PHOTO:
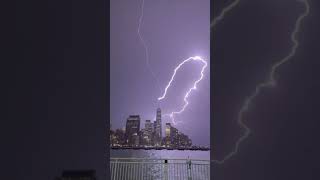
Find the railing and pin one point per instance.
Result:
(159, 169)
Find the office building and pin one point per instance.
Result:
(167, 133)
(132, 130)
(158, 129)
(148, 132)
(171, 136)
(174, 135)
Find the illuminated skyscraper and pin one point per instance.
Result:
(174, 137)
(168, 134)
(158, 130)
(148, 131)
(148, 127)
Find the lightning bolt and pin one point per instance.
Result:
(223, 13)
(145, 44)
(195, 58)
(186, 102)
(270, 82)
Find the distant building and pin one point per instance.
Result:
(158, 129)
(120, 138)
(168, 134)
(113, 138)
(153, 135)
(184, 140)
(150, 135)
(135, 139)
(142, 137)
(132, 129)
(168, 129)
(154, 127)
(159, 123)
(148, 132)
(78, 175)
(172, 136)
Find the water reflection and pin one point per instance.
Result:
(160, 154)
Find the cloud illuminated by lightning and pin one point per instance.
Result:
(195, 58)
(270, 82)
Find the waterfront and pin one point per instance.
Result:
(160, 154)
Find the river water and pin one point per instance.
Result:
(160, 154)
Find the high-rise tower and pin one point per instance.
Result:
(158, 126)
(132, 129)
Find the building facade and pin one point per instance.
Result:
(132, 130)
(171, 136)
(158, 129)
(168, 134)
(148, 132)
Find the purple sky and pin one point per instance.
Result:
(173, 30)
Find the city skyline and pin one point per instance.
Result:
(143, 122)
(134, 135)
(149, 126)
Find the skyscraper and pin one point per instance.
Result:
(153, 136)
(159, 122)
(168, 134)
(174, 137)
(168, 129)
(154, 126)
(148, 131)
(148, 127)
(132, 129)
(158, 127)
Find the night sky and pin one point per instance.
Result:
(173, 31)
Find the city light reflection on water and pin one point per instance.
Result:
(160, 154)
